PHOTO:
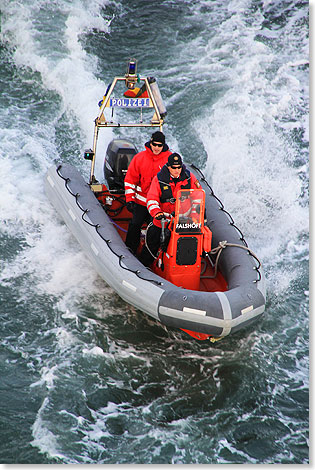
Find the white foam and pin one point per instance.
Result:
(51, 258)
(44, 439)
(95, 351)
(246, 133)
(71, 74)
(249, 162)
(47, 377)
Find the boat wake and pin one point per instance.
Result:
(100, 382)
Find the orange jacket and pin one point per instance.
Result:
(143, 167)
(154, 204)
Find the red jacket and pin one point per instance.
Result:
(154, 203)
(143, 167)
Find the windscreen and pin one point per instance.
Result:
(189, 210)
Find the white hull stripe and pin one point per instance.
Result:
(49, 179)
(72, 215)
(246, 310)
(226, 324)
(94, 249)
(129, 286)
(227, 314)
(194, 310)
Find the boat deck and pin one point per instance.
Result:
(120, 216)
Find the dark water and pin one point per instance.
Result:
(84, 377)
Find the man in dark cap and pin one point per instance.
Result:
(161, 198)
(143, 167)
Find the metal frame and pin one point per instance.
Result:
(100, 121)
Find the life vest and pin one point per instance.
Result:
(142, 169)
(162, 193)
(164, 179)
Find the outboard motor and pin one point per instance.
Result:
(119, 154)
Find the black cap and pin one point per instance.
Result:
(158, 136)
(175, 159)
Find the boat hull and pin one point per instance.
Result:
(213, 313)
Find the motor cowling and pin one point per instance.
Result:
(119, 154)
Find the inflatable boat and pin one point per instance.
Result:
(205, 280)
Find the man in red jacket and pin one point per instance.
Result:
(161, 198)
(143, 167)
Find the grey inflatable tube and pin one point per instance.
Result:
(214, 313)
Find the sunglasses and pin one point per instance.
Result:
(156, 144)
(176, 167)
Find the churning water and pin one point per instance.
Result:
(84, 377)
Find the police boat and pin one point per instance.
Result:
(205, 280)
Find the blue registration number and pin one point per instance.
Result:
(130, 102)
